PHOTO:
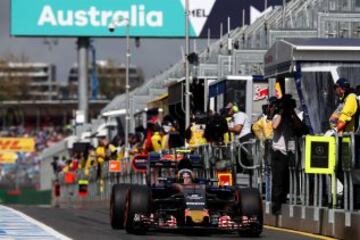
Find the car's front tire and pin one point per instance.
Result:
(138, 202)
(117, 205)
(251, 206)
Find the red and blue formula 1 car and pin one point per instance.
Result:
(187, 199)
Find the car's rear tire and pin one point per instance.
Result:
(251, 206)
(117, 205)
(138, 202)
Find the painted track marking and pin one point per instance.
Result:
(315, 236)
(15, 225)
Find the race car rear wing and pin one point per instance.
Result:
(155, 160)
(172, 160)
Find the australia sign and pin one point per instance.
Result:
(146, 18)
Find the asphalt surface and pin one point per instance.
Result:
(93, 223)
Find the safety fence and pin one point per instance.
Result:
(324, 176)
(323, 188)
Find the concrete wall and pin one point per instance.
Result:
(46, 170)
(324, 221)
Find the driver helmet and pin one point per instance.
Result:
(185, 176)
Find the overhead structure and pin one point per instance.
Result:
(311, 67)
(283, 56)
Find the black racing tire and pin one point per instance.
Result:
(250, 206)
(117, 205)
(138, 202)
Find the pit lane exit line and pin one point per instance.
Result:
(305, 234)
(15, 225)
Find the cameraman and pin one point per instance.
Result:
(284, 122)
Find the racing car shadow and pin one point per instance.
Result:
(198, 233)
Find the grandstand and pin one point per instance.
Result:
(299, 18)
(249, 43)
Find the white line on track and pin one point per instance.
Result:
(15, 225)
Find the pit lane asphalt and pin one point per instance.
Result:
(93, 224)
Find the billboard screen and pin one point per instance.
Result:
(147, 18)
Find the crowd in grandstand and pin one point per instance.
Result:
(27, 166)
(44, 136)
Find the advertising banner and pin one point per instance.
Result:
(8, 157)
(155, 18)
(114, 166)
(17, 144)
(320, 154)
